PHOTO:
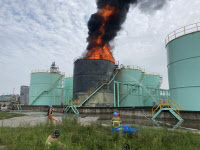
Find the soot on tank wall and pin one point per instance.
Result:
(89, 72)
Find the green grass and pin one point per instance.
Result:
(6, 115)
(95, 136)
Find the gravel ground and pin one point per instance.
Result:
(31, 118)
(34, 118)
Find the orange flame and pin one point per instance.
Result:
(102, 52)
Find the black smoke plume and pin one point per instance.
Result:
(112, 25)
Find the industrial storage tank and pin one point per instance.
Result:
(183, 52)
(68, 90)
(46, 87)
(128, 79)
(150, 84)
(89, 74)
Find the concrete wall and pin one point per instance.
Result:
(103, 98)
(41, 108)
(125, 112)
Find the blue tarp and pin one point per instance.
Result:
(125, 129)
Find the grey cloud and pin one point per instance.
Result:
(149, 6)
(61, 35)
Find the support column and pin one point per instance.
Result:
(118, 94)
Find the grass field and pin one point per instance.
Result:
(95, 136)
(6, 115)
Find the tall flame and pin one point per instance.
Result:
(102, 50)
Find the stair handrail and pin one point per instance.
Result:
(161, 105)
(175, 108)
(156, 104)
(175, 102)
(167, 102)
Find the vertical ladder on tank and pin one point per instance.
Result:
(167, 104)
(91, 93)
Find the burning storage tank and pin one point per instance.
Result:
(46, 87)
(127, 79)
(89, 75)
(98, 65)
(68, 90)
(183, 51)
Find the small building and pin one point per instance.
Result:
(24, 94)
(8, 97)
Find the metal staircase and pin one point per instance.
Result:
(167, 104)
(46, 89)
(73, 104)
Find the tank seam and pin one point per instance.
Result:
(183, 87)
(183, 60)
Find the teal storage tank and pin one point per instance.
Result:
(152, 80)
(45, 88)
(68, 90)
(150, 84)
(128, 79)
(183, 54)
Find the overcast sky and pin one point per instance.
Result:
(34, 33)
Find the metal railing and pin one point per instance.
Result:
(169, 103)
(138, 68)
(154, 73)
(182, 31)
(69, 76)
(46, 71)
(131, 67)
